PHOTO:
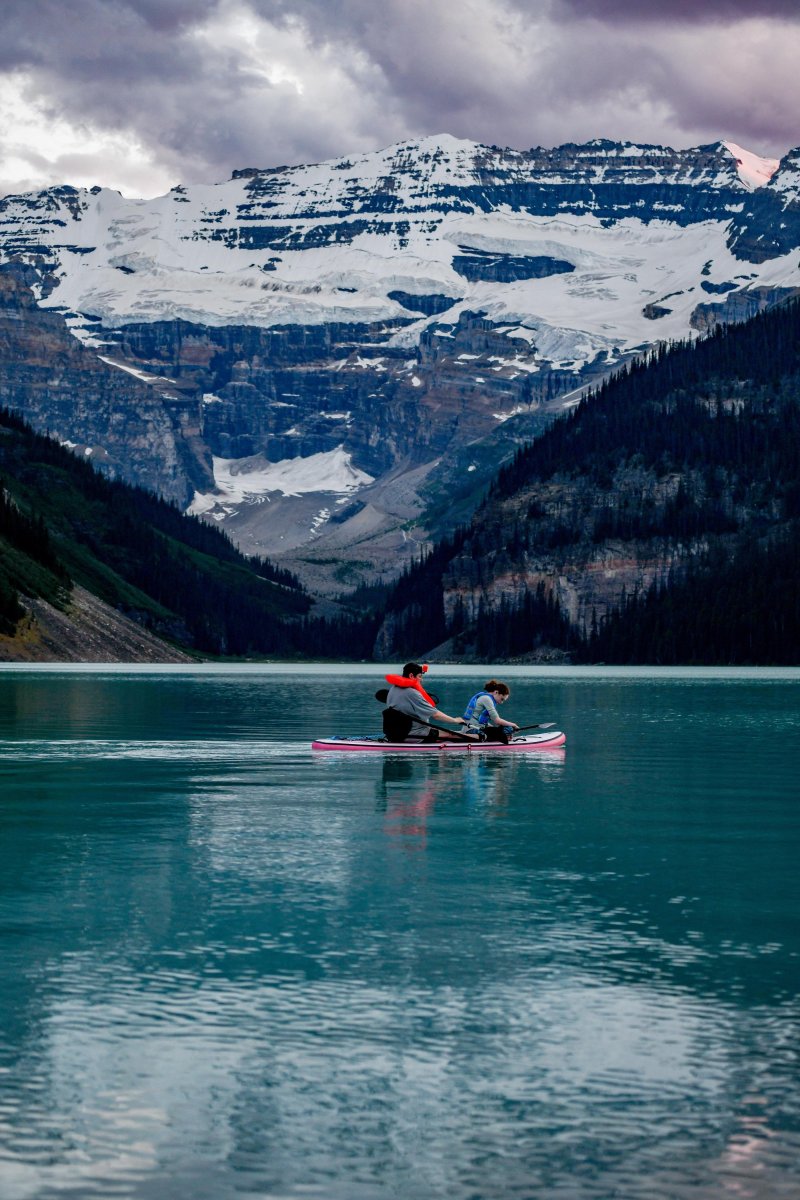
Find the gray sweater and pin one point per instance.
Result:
(408, 701)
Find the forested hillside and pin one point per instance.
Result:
(62, 524)
(745, 610)
(656, 523)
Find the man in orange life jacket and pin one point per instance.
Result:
(410, 704)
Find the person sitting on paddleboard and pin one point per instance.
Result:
(409, 704)
(481, 713)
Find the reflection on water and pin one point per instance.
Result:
(231, 966)
(409, 790)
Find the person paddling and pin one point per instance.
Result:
(409, 704)
(481, 715)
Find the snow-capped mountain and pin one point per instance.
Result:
(366, 320)
(351, 240)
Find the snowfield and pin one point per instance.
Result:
(251, 480)
(198, 254)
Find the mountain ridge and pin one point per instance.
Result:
(390, 310)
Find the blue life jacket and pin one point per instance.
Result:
(469, 711)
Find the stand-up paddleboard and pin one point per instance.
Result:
(522, 742)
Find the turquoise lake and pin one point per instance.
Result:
(231, 966)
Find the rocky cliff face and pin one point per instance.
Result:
(66, 390)
(589, 576)
(313, 352)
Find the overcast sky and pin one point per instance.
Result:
(143, 94)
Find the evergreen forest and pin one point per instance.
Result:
(691, 456)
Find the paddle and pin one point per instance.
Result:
(450, 732)
(382, 695)
(465, 737)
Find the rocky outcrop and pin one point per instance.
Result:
(477, 265)
(769, 224)
(88, 630)
(739, 306)
(587, 582)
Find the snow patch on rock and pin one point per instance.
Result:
(251, 480)
(753, 170)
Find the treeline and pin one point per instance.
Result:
(743, 610)
(27, 533)
(416, 617)
(11, 611)
(28, 562)
(516, 627)
(414, 610)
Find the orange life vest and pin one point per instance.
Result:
(402, 681)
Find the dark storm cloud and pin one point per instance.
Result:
(205, 86)
(70, 36)
(135, 66)
(688, 12)
(583, 68)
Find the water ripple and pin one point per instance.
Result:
(88, 749)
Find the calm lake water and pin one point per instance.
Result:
(233, 967)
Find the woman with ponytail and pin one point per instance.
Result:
(481, 715)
